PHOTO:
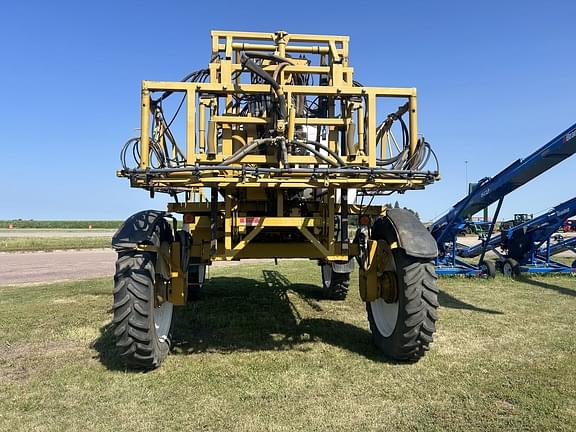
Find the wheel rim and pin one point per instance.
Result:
(201, 275)
(507, 269)
(163, 320)
(327, 275)
(385, 316)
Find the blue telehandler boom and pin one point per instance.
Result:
(490, 190)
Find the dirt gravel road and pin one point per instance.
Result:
(37, 267)
(33, 267)
(45, 267)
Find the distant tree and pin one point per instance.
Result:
(414, 212)
(396, 205)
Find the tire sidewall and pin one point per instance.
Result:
(395, 339)
(161, 347)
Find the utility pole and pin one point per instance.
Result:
(466, 168)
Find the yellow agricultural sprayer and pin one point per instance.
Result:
(278, 148)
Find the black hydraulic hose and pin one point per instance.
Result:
(249, 64)
(388, 161)
(325, 148)
(435, 158)
(199, 75)
(267, 56)
(193, 74)
(316, 152)
(256, 170)
(154, 149)
(131, 141)
(427, 151)
(284, 153)
(243, 151)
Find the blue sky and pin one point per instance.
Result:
(496, 80)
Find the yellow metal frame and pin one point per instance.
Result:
(366, 150)
(216, 130)
(210, 108)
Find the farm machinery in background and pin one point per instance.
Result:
(526, 247)
(569, 226)
(276, 142)
(446, 228)
(557, 245)
(519, 219)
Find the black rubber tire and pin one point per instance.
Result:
(196, 282)
(574, 264)
(488, 268)
(337, 287)
(417, 310)
(133, 312)
(510, 267)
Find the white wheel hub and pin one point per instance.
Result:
(385, 316)
(327, 275)
(201, 274)
(163, 320)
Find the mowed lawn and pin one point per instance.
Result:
(263, 351)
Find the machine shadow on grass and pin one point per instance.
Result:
(540, 283)
(449, 301)
(239, 314)
(105, 346)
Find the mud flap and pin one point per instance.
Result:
(410, 233)
(140, 229)
(343, 267)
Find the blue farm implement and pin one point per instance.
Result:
(491, 190)
(557, 245)
(527, 248)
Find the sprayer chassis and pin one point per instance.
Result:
(275, 190)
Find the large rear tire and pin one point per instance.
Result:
(403, 329)
(335, 285)
(143, 323)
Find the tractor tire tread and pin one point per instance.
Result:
(418, 318)
(339, 286)
(133, 293)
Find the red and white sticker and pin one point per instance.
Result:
(250, 221)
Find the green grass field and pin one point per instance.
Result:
(53, 224)
(22, 244)
(263, 351)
